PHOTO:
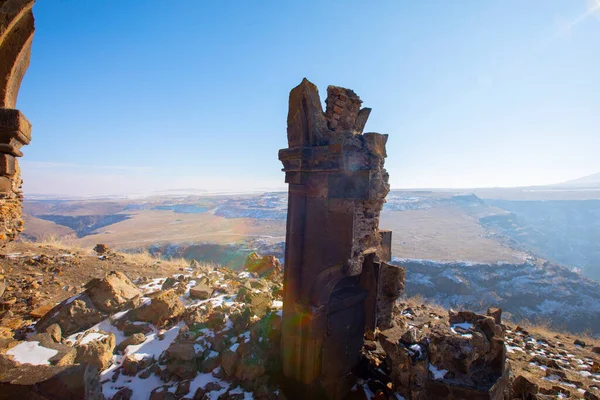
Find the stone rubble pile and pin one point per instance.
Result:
(204, 334)
(431, 354)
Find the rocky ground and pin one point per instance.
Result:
(176, 331)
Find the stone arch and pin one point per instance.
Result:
(16, 36)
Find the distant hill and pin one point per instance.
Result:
(586, 181)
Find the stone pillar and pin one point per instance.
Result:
(16, 35)
(337, 186)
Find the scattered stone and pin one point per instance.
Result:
(130, 328)
(163, 307)
(97, 351)
(523, 388)
(130, 366)
(201, 291)
(162, 393)
(72, 315)
(136, 338)
(183, 388)
(257, 301)
(101, 249)
(579, 343)
(41, 311)
(113, 292)
(63, 355)
(69, 382)
(123, 394)
(265, 266)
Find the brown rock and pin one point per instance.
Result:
(524, 388)
(97, 352)
(40, 382)
(101, 249)
(65, 354)
(183, 388)
(113, 292)
(257, 303)
(590, 396)
(495, 313)
(182, 359)
(263, 266)
(130, 366)
(162, 307)
(548, 362)
(199, 395)
(229, 361)
(392, 280)
(136, 338)
(123, 394)
(55, 332)
(129, 328)
(596, 350)
(162, 393)
(201, 291)
(72, 315)
(41, 311)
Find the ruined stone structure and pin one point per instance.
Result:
(16, 35)
(334, 251)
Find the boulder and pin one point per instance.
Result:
(265, 266)
(49, 382)
(523, 388)
(42, 343)
(201, 291)
(130, 366)
(72, 315)
(163, 307)
(96, 349)
(182, 358)
(255, 300)
(229, 361)
(113, 292)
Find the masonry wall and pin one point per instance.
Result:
(16, 35)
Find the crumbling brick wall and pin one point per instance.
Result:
(16, 35)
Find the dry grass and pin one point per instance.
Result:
(53, 241)
(146, 259)
(418, 300)
(545, 329)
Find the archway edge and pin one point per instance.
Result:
(16, 36)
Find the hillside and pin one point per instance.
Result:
(204, 350)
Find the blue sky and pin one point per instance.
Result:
(129, 97)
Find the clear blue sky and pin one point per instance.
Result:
(136, 96)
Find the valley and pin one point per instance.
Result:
(533, 253)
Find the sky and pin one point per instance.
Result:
(142, 96)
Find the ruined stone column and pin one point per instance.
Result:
(16, 35)
(337, 187)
